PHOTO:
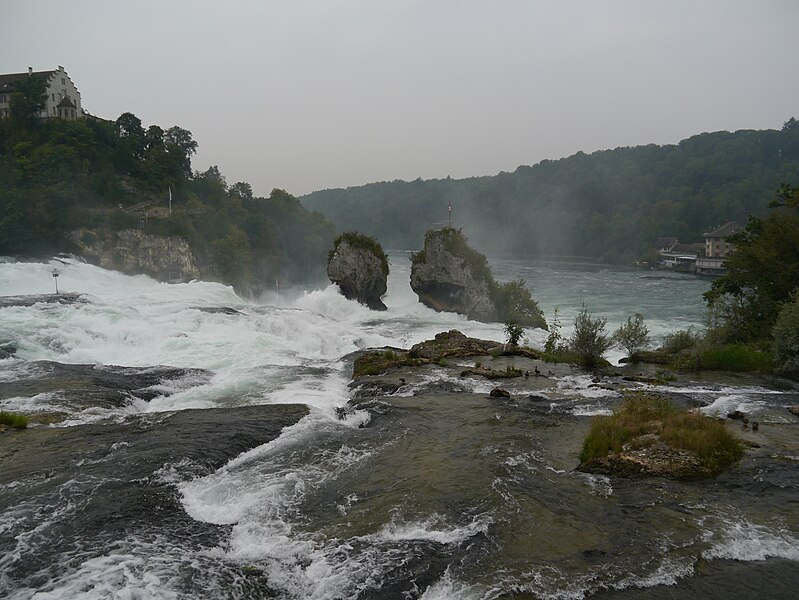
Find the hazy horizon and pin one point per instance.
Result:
(311, 95)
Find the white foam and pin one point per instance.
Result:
(723, 405)
(746, 541)
(433, 529)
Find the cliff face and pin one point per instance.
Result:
(359, 273)
(447, 282)
(134, 252)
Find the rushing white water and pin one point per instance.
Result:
(283, 350)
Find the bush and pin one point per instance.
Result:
(633, 335)
(786, 338)
(554, 341)
(589, 339)
(513, 332)
(732, 357)
(515, 303)
(641, 414)
(15, 420)
(684, 339)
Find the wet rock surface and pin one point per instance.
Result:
(117, 483)
(132, 251)
(447, 282)
(360, 274)
(451, 343)
(82, 386)
(30, 300)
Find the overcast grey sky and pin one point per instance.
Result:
(306, 95)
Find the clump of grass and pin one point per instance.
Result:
(15, 420)
(641, 415)
(734, 357)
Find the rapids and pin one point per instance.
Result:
(197, 486)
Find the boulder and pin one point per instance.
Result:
(451, 343)
(654, 460)
(448, 276)
(134, 252)
(358, 265)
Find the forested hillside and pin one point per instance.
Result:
(56, 176)
(610, 205)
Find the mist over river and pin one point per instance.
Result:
(222, 453)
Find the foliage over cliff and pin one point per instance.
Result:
(610, 204)
(56, 176)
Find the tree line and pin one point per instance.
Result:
(610, 205)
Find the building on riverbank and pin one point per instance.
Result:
(717, 249)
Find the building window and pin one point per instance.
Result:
(63, 81)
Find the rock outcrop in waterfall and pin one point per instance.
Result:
(450, 276)
(134, 252)
(359, 266)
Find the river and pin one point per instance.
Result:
(433, 492)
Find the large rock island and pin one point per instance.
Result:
(450, 276)
(359, 266)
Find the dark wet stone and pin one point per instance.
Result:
(96, 385)
(109, 473)
(451, 343)
(66, 298)
(736, 415)
(499, 393)
(492, 373)
(220, 310)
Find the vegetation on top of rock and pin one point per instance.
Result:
(364, 242)
(15, 420)
(376, 362)
(647, 435)
(456, 243)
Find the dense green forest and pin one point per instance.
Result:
(56, 176)
(610, 205)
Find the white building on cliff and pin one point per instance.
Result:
(63, 98)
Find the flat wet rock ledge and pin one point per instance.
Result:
(116, 481)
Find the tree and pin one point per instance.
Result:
(513, 332)
(790, 124)
(632, 335)
(180, 141)
(28, 100)
(762, 272)
(154, 137)
(129, 124)
(589, 340)
(786, 337)
(241, 190)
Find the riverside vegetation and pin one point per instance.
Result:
(753, 310)
(91, 173)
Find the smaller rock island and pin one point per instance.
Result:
(359, 266)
